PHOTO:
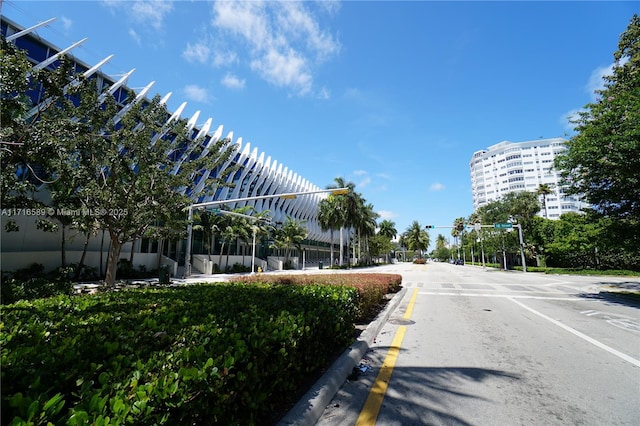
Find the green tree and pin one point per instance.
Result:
(380, 245)
(457, 231)
(28, 153)
(441, 252)
(543, 190)
(290, 236)
(129, 166)
(347, 207)
(521, 207)
(329, 218)
(575, 242)
(387, 230)
(603, 158)
(208, 225)
(365, 227)
(416, 238)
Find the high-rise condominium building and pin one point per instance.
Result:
(521, 166)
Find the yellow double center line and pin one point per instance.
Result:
(372, 405)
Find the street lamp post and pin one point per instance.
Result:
(187, 261)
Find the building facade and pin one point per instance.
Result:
(521, 166)
(258, 175)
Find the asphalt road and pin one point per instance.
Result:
(468, 346)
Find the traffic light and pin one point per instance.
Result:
(430, 227)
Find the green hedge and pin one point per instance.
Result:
(202, 354)
(372, 287)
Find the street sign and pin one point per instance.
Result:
(503, 225)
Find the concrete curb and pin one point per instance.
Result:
(311, 406)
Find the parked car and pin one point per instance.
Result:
(458, 262)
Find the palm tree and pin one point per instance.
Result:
(388, 229)
(366, 225)
(544, 189)
(441, 242)
(346, 208)
(457, 231)
(290, 235)
(260, 228)
(416, 238)
(208, 224)
(231, 228)
(329, 217)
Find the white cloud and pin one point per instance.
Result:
(595, 83)
(134, 35)
(359, 172)
(386, 215)
(284, 39)
(221, 58)
(145, 12)
(196, 93)
(66, 23)
(437, 186)
(198, 52)
(232, 82)
(151, 12)
(596, 80)
(364, 182)
(569, 116)
(284, 69)
(324, 93)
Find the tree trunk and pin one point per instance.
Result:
(331, 233)
(207, 246)
(160, 248)
(112, 262)
(348, 249)
(101, 251)
(220, 257)
(341, 246)
(227, 262)
(133, 245)
(84, 253)
(63, 251)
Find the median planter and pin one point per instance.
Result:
(222, 353)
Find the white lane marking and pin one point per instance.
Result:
(583, 336)
(506, 296)
(624, 322)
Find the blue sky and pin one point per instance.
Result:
(393, 96)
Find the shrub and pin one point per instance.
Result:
(32, 283)
(240, 268)
(371, 287)
(223, 354)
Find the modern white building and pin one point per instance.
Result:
(258, 175)
(521, 166)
